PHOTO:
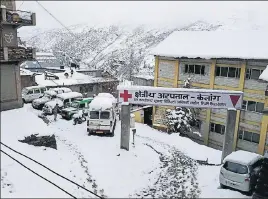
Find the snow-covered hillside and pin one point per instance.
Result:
(116, 48)
(120, 49)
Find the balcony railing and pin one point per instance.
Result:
(17, 17)
(17, 54)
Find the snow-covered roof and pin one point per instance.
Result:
(264, 75)
(109, 95)
(144, 76)
(64, 89)
(101, 103)
(25, 72)
(214, 44)
(69, 95)
(76, 78)
(242, 157)
(44, 54)
(33, 87)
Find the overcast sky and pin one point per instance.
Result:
(141, 12)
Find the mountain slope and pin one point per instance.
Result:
(121, 50)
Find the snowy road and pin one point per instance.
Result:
(159, 165)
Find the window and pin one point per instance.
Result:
(194, 69)
(217, 128)
(30, 92)
(43, 90)
(94, 114)
(36, 90)
(253, 73)
(249, 136)
(231, 72)
(253, 106)
(105, 115)
(235, 167)
(82, 105)
(197, 124)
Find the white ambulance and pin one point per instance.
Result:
(102, 115)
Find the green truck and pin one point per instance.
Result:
(75, 107)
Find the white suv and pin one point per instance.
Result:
(33, 92)
(239, 170)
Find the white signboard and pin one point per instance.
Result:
(181, 97)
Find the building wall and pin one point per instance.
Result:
(10, 87)
(27, 80)
(142, 82)
(172, 73)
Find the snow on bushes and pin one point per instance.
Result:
(181, 119)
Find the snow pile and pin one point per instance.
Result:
(201, 44)
(264, 75)
(101, 103)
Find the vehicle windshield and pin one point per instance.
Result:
(236, 168)
(94, 114)
(75, 104)
(105, 115)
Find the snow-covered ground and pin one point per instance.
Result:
(157, 165)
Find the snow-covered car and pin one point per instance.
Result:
(239, 170)
(33, 92)
(75, 107)
(48, 96)
(62, 99)
(102, 116)
(49, 106)
(40, 102)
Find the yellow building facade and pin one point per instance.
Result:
(251, 132)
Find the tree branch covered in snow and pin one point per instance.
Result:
(181, 119)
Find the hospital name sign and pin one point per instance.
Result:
(195, 98)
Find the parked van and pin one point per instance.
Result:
(239, 170)
(33, 92)
(102, 116)
(75, 107)
(48, 96)
(61, 99)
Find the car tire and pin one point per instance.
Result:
(222, 186)
(89, 133)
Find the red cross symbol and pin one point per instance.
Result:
(125, 95)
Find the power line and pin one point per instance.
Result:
(56, 19)
(38, 174)
(51, 170)
(20, 5)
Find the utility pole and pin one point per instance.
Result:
(229, 133)
(125, 126)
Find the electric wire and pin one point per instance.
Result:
(52, 170)
(38, 174)
(20, 5)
